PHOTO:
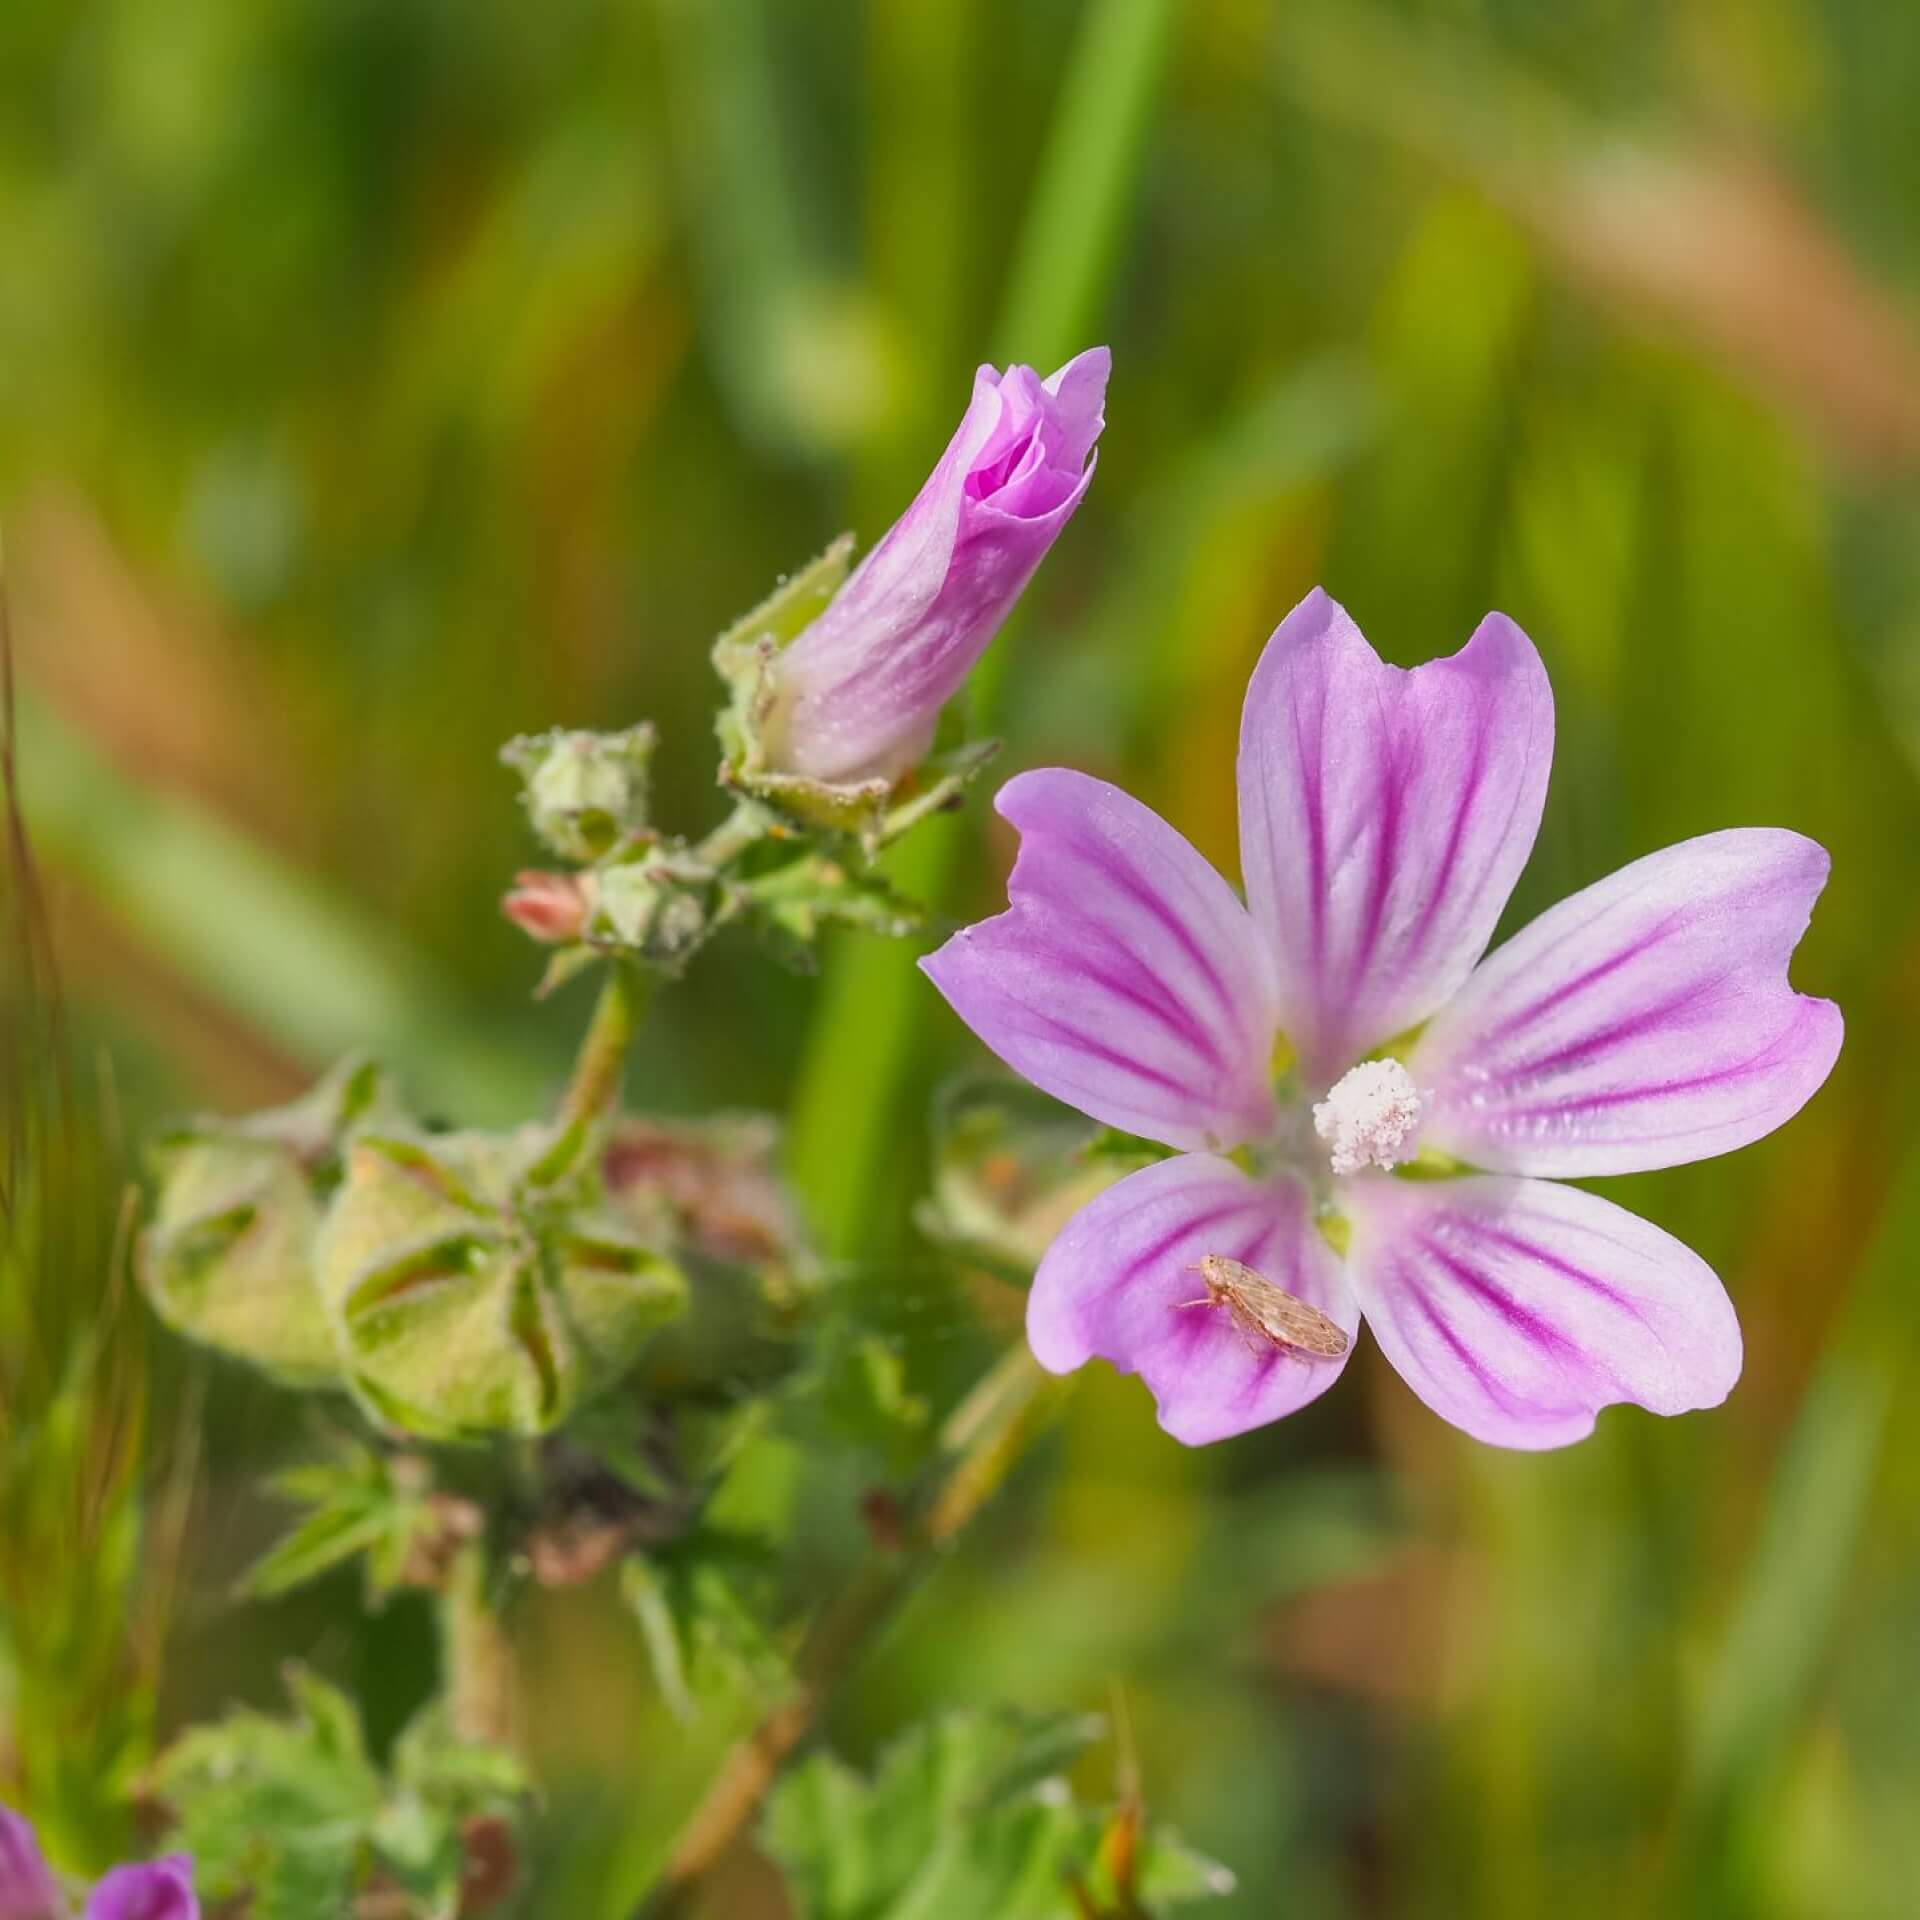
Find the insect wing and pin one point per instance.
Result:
(1277, 1315)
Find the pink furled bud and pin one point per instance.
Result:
(858, 693)
(552, 907)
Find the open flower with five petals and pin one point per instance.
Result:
(1365, 1111)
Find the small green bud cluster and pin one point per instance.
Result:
(794, 857)
(585, 793)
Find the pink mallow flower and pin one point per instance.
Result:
(858, 694)
(155, 1890)
(28, 1890)
(1341, 1030)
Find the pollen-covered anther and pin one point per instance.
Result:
(1370, 1116)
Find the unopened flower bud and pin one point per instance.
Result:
(717, 1180)
(838, 683)
(470, 1297)
(228, 1257)
(657, 909)
(550, 907)
(857, 695)
(584, 792)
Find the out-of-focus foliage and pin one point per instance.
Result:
(82, 1592)
(297, 1816)
(971, 1813)
(380, 379)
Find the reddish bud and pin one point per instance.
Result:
(552, 907)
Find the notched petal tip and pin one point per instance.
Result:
(1519, 1309)
(1644, 1022)
(1385, 815)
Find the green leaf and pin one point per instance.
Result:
(864, 1396)
(702, 1606)
(463, 1776)
(647, 1594)
(968, 1815)
(277, 1809)
(293, 1816)
(362, 1502)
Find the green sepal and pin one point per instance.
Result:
(565, 964)
(1011, 1167)
(585, 793)
(227, 1259)
(937, 785)
(795, 903)
(657, 909)
(661, 907)
(742, 655)
(471, 1297)
(870, 812)
(1131, 1150)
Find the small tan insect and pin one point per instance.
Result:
(1266, 1315)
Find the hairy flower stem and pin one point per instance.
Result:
(596, 1072)
(732, 837)
(477, 1665)
(477, 1660)
(983, 1440)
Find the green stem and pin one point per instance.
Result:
(732, 837)
(477, 1665)
(866, 1039)
(596, 1071)
(1069, 237)
(982, 1442)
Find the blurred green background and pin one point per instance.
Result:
(379, 378)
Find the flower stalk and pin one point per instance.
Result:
(476, 1651)
(596, 1070)
(477, 1663)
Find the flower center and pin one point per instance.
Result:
(1370, 1116)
